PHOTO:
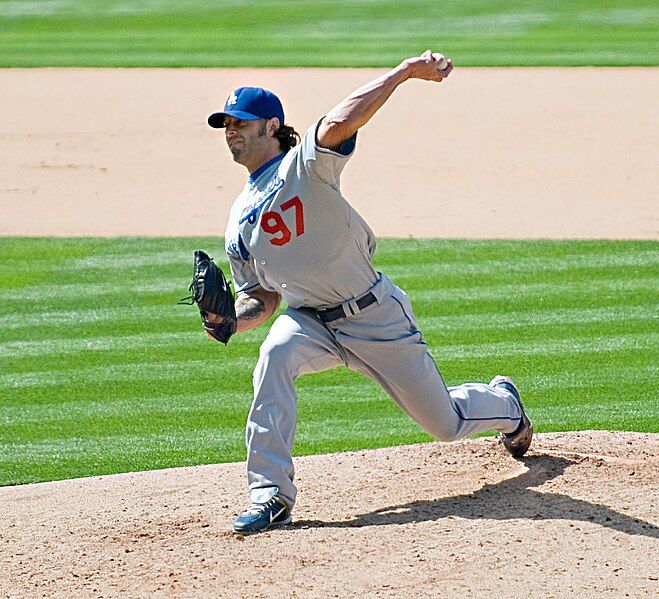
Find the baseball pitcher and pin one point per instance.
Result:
(292, 235)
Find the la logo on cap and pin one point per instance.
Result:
(233, 98)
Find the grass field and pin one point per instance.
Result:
(101, 371)
(235, 33)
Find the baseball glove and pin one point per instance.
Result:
(212, 294)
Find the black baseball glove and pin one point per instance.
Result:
(212, 293)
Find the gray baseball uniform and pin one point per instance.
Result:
(291, 231)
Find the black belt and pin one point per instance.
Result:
(330, 314)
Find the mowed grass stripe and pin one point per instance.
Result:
(117, 253)
(93, 288)
(336, 384)
(109, 292)
(185, 338)
(65, 324)
(547, 347)
(133, 372)
(216, 417)
(100, 343)
(72, 318)
(332, 386)
(535, 264)
(629, 414)
(107, 446)
(90, 354)
(319, 415)
(127, 260)
(582, 378)
(121, 406)
(24, 469)
(493, 321)
(44, 459)
(112, 265)
(175, 404)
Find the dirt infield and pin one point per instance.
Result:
(490, 153)
(578, 517)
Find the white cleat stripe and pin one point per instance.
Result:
(274, 516)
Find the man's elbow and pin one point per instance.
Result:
(271, 298)
(333, 131)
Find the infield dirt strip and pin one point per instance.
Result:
(509, 153)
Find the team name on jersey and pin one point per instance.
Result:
(259, 199)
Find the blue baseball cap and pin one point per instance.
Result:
(249, 104)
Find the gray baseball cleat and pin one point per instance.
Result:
(261, 516)
(518, 442)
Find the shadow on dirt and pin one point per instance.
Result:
(510, 499)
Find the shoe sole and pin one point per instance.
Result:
(518, 445)
(522, 441)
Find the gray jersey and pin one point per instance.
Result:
(291, 231)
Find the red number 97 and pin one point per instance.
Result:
(273, 223)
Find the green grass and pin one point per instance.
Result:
(283, 33)
(101, 371)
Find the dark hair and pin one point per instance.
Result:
(287, 136)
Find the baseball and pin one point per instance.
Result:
(443, 63)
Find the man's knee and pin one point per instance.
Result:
(278, 352)
(444, 425)
(438, 427)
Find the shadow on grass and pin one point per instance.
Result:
(510, 499)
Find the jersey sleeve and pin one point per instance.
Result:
(321, 163)
(242, 272)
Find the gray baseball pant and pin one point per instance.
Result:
(383, 342)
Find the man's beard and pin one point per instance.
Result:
(237, 152)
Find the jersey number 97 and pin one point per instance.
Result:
(272, 222)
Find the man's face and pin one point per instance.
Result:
(245, 138)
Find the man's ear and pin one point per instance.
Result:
(273, 125)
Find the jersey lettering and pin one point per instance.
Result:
(272, 222)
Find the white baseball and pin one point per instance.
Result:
(443, 63)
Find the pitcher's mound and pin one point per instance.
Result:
(579, 515)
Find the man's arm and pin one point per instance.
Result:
(255, 307)
(252, 309)
(343, 121)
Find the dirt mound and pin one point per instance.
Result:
(579, 514)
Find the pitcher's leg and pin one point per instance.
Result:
(383, 341)
(296, 344)
(411, 378)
